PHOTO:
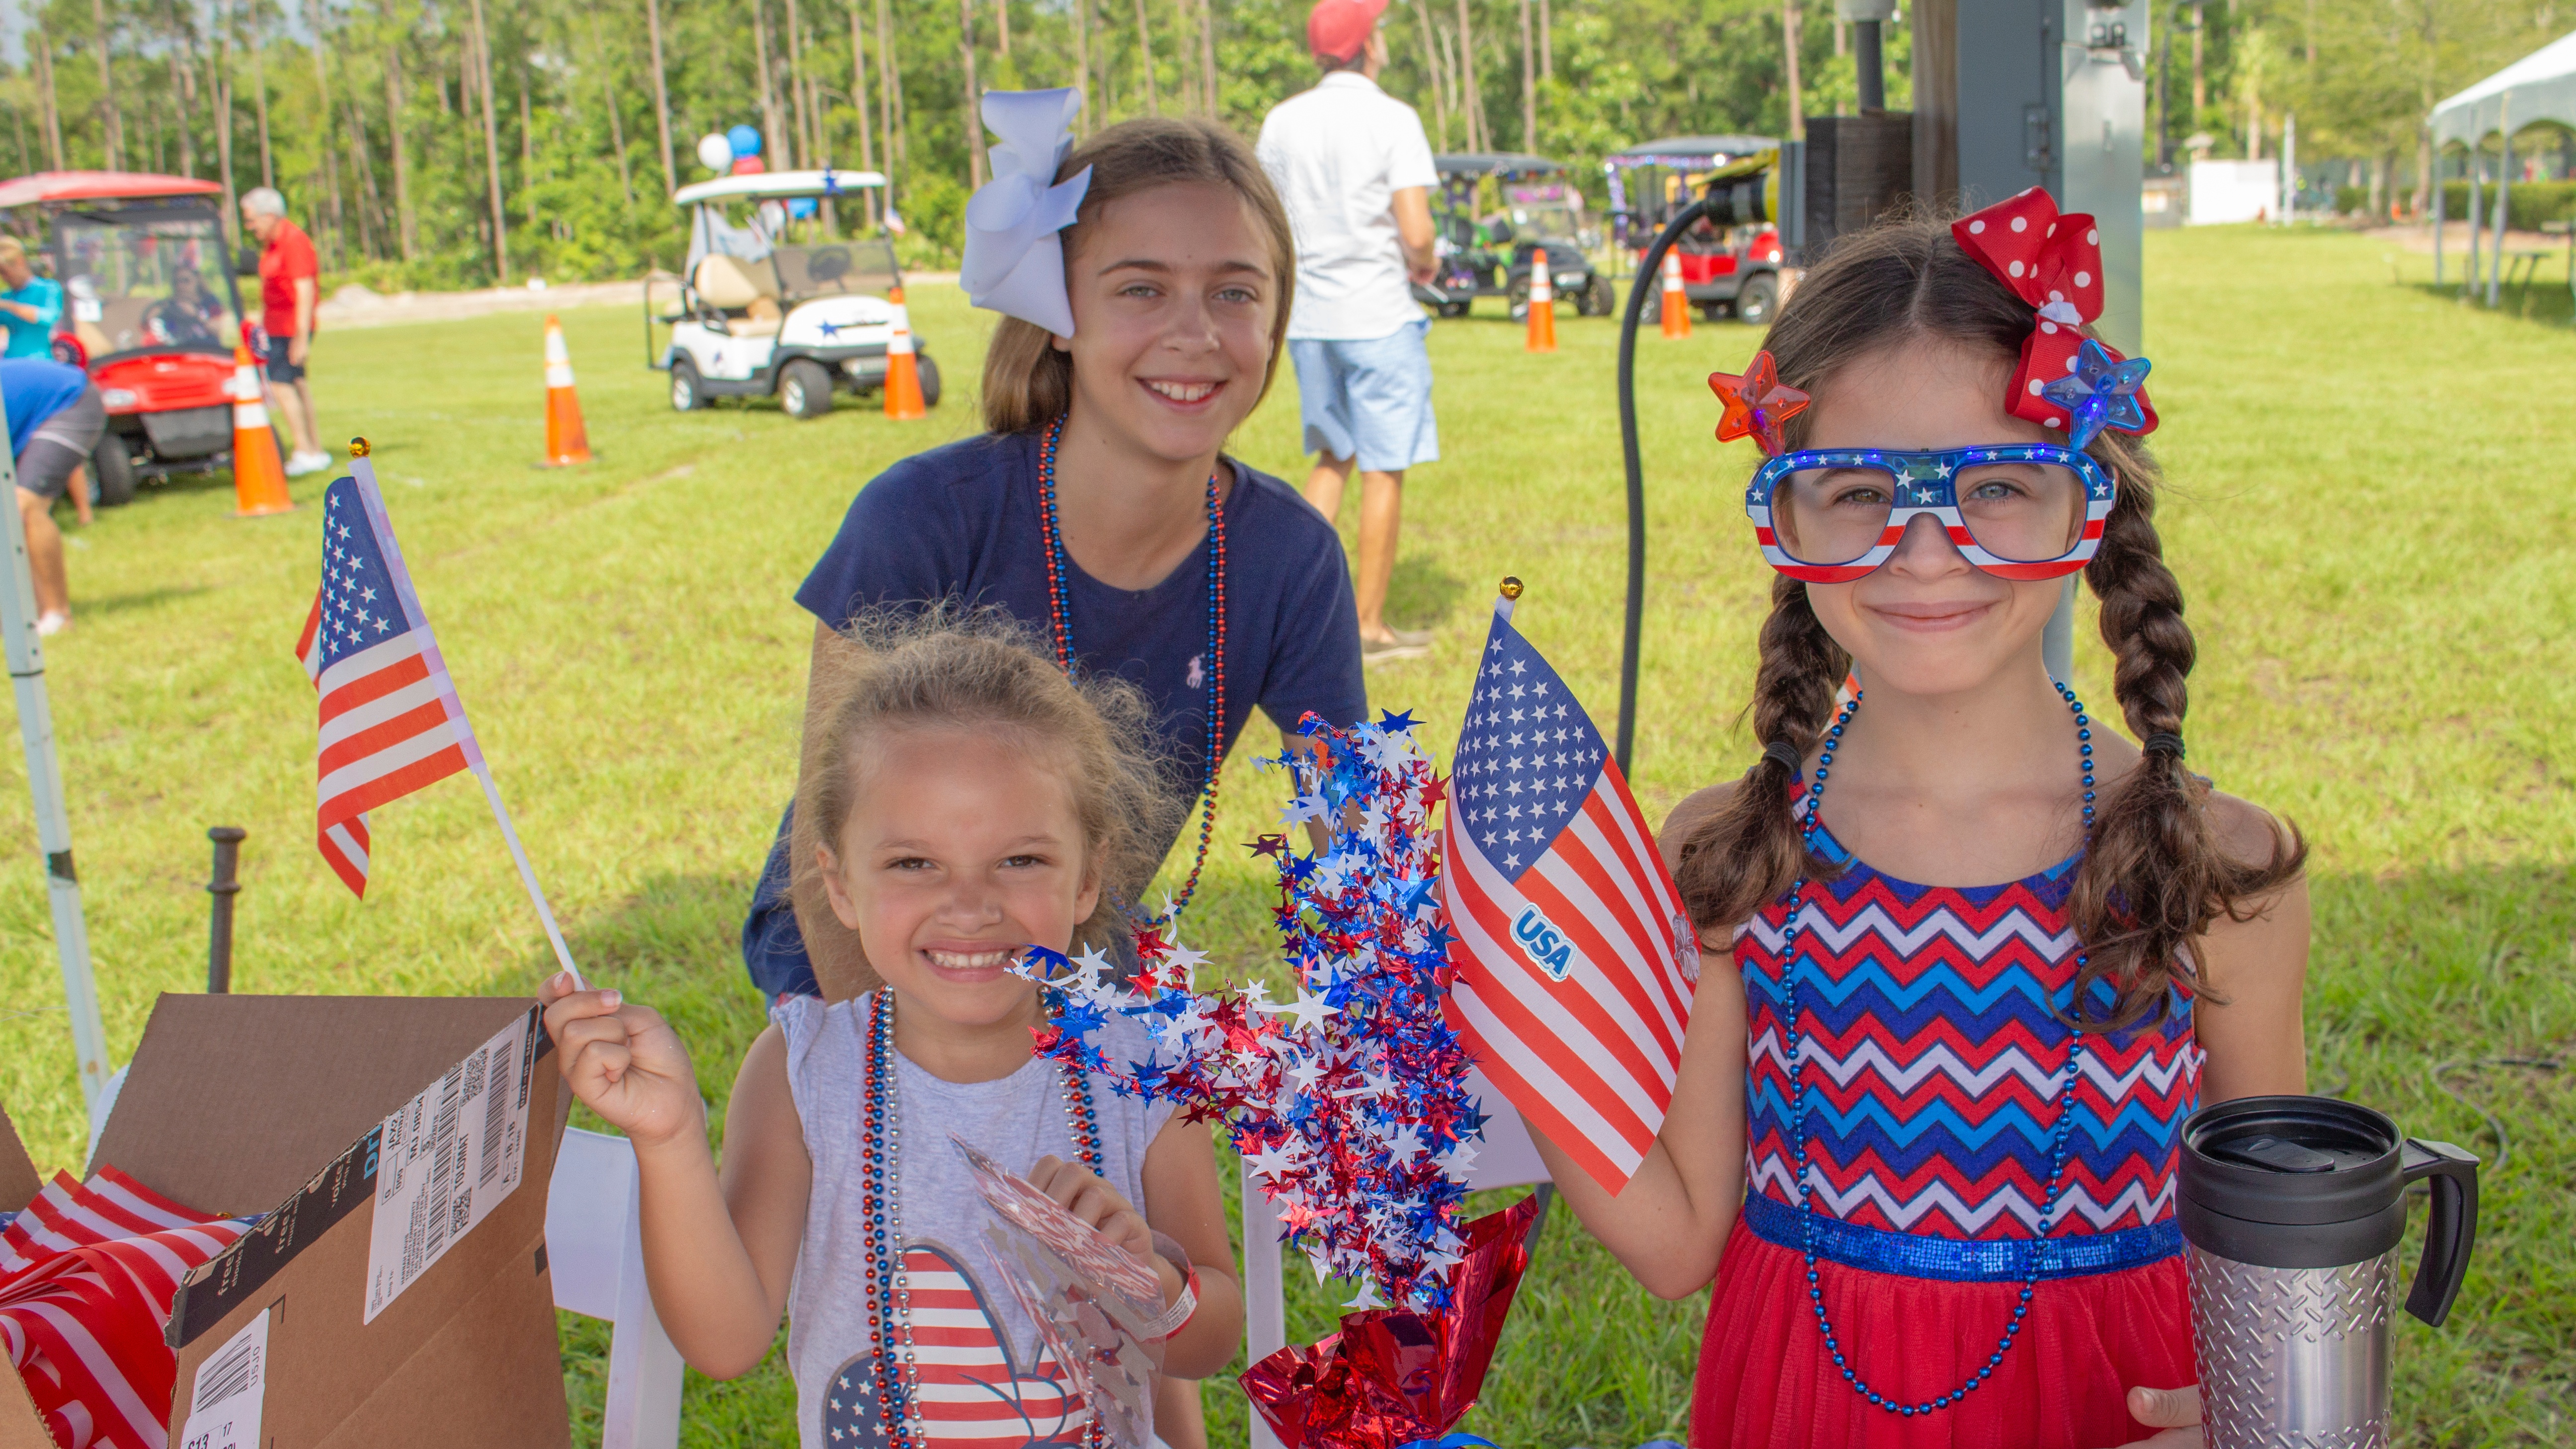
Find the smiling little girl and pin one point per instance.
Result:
(970, 802)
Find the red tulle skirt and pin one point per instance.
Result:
(1766, 1377)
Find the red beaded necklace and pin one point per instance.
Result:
(1060, 571)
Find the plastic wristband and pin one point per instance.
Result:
(1181, 1310)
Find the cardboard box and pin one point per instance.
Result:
(396, 1294)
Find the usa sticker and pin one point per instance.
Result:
(1544, 944)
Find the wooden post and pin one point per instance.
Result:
(1145, 49)
(662, 90)
(975, 92)
(482, 58)
(224, 886)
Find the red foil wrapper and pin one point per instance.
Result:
(1394, 1377)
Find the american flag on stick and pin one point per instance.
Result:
(391, 722)
(1576, 961)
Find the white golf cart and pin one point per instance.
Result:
(757, 313)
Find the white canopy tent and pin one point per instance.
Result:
(2540, 87)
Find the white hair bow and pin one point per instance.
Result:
(1014, 260)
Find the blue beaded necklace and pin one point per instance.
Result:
(889, 1283)
(1060, 625)
(2062, 1136)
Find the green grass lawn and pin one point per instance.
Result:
(2373, 526)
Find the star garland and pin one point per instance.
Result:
(1349, 1104)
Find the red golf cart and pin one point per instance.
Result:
(1726, 271)
(149, 308)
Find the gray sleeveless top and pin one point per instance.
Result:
(985, 1379)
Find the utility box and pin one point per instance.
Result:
(2010, 94)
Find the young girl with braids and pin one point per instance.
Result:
(970, 801)
(1990, 951)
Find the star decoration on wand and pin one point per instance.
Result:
(2102, 392)
(1756, 404)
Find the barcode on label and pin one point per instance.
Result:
(451, 1154)
(496, 1109)
(442, 1147)
(228, 1373)
(230, 1391)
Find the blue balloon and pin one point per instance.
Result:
(744, 140)
(800, 207)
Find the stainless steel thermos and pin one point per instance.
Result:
(2291, 1210)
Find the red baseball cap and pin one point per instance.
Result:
(1339, 29)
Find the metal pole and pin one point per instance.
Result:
(2503, 190)
(2475, 164)
(2437, 212)
(45, 793)
(224, 886)
(1871, 68)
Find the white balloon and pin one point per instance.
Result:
(715, 153)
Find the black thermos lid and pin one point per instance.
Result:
(2292, 1182)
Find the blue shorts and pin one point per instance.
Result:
(1370, 400)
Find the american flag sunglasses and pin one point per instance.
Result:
(2015, 510)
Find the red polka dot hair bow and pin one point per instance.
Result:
(2054, 263)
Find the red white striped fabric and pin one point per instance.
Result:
(970, 1399)
(87, 1273)
(390, 719)
(344, 845)
(1576, 961)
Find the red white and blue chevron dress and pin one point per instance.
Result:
(1934, 1067)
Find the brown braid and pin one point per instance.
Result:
(1744, 855)
(2156, 876)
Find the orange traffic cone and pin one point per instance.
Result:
(903, 375)
(1542, 306)
(259, 479)
(1676, 304)
(567, 441)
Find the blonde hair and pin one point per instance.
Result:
(12, 250)
(1027, 382)
(951, 668)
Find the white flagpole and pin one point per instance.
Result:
(364, 468)
(527, 873)
(45, 789)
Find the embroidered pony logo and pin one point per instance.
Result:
(1543, 943)
(1198, 671)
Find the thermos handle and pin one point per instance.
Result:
(2453, 1231)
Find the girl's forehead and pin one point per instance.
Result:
(1918, 393)
(1170, 221)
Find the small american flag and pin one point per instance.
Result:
(391, 722)
(87, 1273)
(1576, 960)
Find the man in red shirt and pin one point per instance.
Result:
(290, 287)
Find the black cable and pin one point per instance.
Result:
(1649, 274)
(2495, 1124)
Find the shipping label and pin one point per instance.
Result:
(232, 1387)
(447, 1158)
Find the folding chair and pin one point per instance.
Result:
(1506, 1159)
(595, 1248)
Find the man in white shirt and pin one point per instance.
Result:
(1355, 172)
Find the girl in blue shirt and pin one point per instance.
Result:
(1098, 507)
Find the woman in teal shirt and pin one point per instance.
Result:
(31, 305)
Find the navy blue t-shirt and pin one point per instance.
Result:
(961, 522)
